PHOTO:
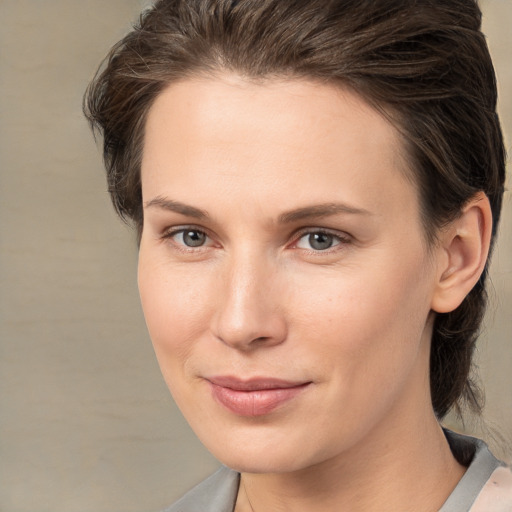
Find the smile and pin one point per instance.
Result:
(254, 397)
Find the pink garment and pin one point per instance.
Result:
(496, 495)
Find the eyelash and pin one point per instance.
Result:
(341, 239)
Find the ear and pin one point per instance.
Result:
(464, 247)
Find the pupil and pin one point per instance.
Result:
(193, 238)
(320, 241)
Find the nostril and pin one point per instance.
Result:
(261, 339)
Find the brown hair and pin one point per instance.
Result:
(424, 62)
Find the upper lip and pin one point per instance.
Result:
(254, 383)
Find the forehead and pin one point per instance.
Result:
(291, 108)
(265, 138)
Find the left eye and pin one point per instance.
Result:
(318, 241)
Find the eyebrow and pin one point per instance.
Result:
(177, 207)
(307, 212)
(320, 210)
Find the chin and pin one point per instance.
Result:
(260, 462)
(263, 452)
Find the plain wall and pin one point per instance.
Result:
(86, 422)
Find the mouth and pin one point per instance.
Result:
(254, 397)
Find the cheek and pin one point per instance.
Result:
(365, 322)
(359, 299)
(176, 306)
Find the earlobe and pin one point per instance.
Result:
(465, 247)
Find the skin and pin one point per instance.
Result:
(255, 299)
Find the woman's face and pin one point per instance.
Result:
(283, 270)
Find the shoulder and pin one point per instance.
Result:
(496, 494)
(215, 494)
(487, 484)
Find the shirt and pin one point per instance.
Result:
(485, 487)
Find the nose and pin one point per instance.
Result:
(250, 312)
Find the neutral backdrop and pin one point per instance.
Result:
(86, 423)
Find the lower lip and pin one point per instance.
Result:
(257, 402)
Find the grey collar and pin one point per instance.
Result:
(218, 492)
(481, 466)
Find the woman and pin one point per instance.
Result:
(316, 188)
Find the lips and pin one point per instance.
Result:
(254, 397)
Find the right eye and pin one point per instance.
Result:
(189, 237)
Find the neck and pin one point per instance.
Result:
(402, 463)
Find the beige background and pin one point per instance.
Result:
(86, 423)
